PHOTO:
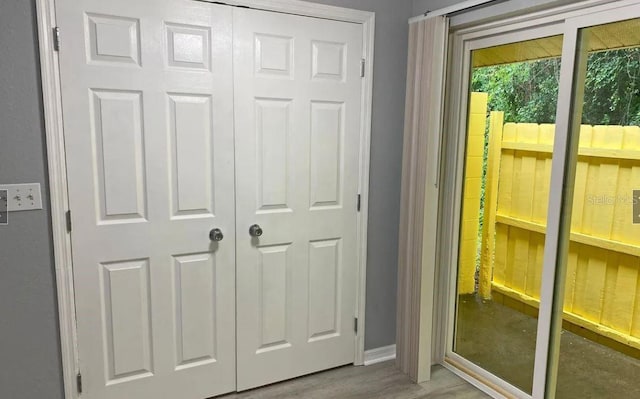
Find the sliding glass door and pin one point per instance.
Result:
(544, 294)
(512, 107)
(599, 268)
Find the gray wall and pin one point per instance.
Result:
(420, 6)
(29, 341)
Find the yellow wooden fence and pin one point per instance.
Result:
(603, 272)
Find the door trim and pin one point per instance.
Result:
(59, 201)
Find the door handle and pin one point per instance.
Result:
(216, 235)
(255, 231)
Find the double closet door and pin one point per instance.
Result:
(212, 164)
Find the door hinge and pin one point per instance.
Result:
(56, 38)
(68, 216)
(79, 382)
(363, 63)
(355, 325)
(358, 202)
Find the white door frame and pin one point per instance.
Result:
(564, 20)
(52, 103)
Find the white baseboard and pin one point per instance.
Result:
(377, 355)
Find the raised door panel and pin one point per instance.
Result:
(192, 172)
(127, 320)
(273, 121)
(327, 132)
(195, 313)
(274, 310)
(188, 46)
(324, 289)
(113, 39)
(119, 161)
(273, 56)
(329, 60)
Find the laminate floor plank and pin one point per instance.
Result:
(378, 381)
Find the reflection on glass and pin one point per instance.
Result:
(600, 340)
(506, 187)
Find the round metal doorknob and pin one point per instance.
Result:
(216, 235)
(255, 231)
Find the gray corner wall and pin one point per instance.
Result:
(29, 342)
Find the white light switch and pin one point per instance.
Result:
(21, 197)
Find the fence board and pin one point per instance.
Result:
(491, 205)
(635, 319)
(518, 259)
(602, 290)
(501, 245)
(572, 270)
(619, 315)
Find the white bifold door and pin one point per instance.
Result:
(148, 126)
(297, 107)
(212, 162)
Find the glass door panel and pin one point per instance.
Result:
(600, 339)
(510, 135)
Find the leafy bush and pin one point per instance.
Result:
(528, 91)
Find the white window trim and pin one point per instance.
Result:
(59, 202)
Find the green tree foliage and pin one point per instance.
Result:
(528, 91)
(524, 91)
(612, 88)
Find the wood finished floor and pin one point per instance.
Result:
(378, 381)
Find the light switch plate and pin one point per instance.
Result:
(21, 197)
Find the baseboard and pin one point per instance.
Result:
(377, 355)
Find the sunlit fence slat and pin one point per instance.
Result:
(603, 269)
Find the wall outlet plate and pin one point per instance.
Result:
(21, 197)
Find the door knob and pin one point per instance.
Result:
(255, 231)
(216, 235)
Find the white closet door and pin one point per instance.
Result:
(148, 123)
(297, 112)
